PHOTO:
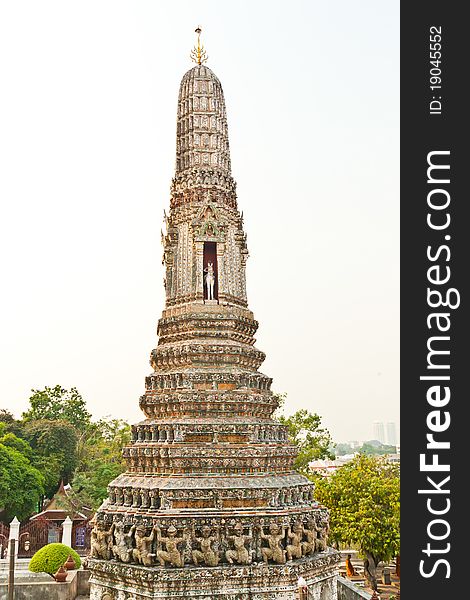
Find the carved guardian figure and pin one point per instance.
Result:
(171, 554)
(239, 554)
(142, 553)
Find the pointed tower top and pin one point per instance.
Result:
(198, 53)
(202, 133)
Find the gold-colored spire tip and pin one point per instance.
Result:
(198, 53)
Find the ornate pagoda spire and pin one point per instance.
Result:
(202, 134)
(204, 224)
(210, 504)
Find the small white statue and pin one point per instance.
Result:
(210, 280)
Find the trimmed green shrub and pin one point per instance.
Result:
(49, 558)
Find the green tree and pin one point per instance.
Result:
(6, 416)
(58, 403)
(12, 441)
(54, 443)
(312, 440)
(8, 423)
(90, 487)
(342, 449)
(21, 485)
(100, 460)
(377, 449)
(363, 497)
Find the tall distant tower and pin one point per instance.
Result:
(210, 506)
(391, 434)
(379, 432)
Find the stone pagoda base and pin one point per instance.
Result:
(112, 580)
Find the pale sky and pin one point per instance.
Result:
(87, 149)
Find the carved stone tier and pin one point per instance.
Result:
(188, 189)
(181, 355)
(210, 506)
(166, 493)
(208, 379)
(289, 540)
(216, 430)
(190, 459)
(205, 399)
(227, 582)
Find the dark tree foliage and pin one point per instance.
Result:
(54, 443)
(100, 460)
(58, 403)
(21, 485)
(8, 423)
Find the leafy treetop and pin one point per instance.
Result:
(312, 440)
(58, 403)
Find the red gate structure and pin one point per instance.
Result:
(4, 536)
(35, 534)
(38, 532)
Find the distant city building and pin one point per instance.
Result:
(379, 432)
(391, 434)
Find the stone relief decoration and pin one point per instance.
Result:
(309, 546)
(217, 543)
(240, 553)
(274, 550)
(322, 529)
(122, 547)
(101, 541)
(207, 553)
(294, 535)
(209, 224)
(171, 555)
(142, 553)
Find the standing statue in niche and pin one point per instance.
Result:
(210, 280)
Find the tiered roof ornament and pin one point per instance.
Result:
(210, 505)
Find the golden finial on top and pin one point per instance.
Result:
(198, 53)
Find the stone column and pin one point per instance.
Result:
(244, 256)
(14, 535)
(67, 532)
(222, 283)
(199, 270)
